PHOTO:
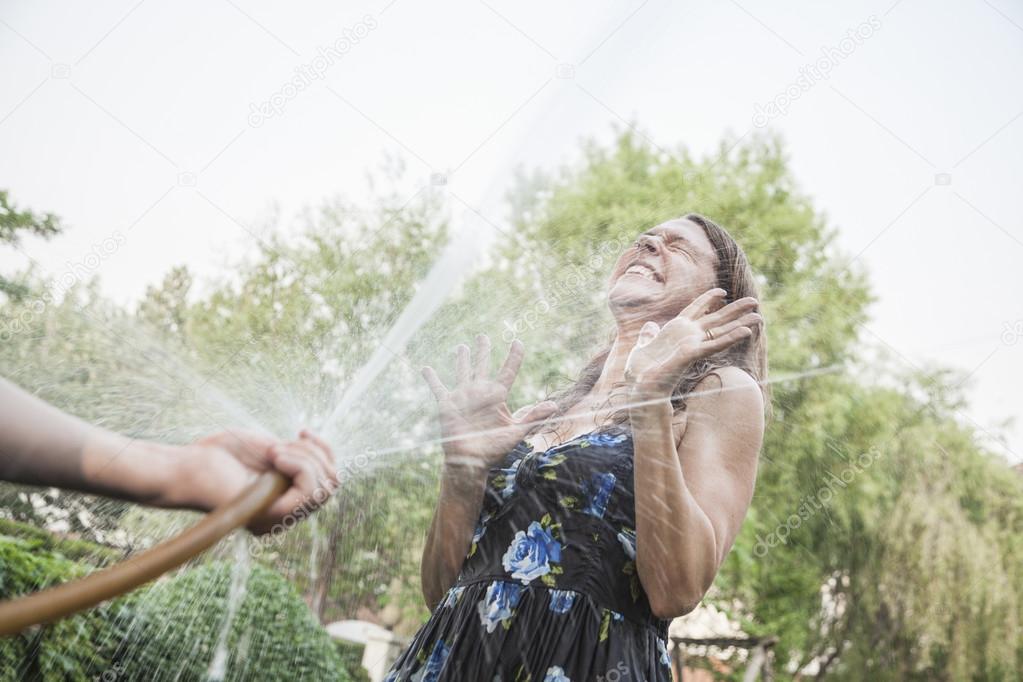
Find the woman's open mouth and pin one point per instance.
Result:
(644, 271)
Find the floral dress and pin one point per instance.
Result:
(549, 590)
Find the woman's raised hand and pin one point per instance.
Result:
(477, 427)
(662, 354)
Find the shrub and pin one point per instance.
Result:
(170, 630)
(351, 657)
(178, 625)
(75, 649)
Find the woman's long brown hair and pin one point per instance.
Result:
(734, 275)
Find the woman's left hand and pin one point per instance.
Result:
(218, 467)
(662, 354)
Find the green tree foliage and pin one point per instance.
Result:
(284, 334)
(16, 223)
(884, 540)
(865, 567)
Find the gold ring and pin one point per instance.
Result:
(710, 334)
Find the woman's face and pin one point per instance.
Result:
(667, 267)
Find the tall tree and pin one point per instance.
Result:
(15, 223)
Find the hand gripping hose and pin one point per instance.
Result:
(63, 600)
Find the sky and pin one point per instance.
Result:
(169, 133)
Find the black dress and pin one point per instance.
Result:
(549, 590)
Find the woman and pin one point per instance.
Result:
(563, 558)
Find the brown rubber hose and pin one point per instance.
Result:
(63, 600)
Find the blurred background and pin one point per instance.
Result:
(243, 213)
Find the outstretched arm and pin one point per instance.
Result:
(41, 445)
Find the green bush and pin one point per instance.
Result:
(78, 648)
(351, 657)
(170, 630)
(177, 626)
(76, 550)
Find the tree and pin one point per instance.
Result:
(884, 542)
(14, 224)
(832, 582)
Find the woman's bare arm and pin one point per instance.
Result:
(41, 445)
(691, 499)
(450, 537)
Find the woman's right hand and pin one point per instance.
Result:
(477, 427)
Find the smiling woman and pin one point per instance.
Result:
(564, 557)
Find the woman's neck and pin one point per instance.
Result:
(598, 403)
(613, 373)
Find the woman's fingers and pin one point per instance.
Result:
(305, 473)
(510, 369)
(481, 366)
(537, 414)
(319, 442)
(719, 343)
(702, 303)
(648, 333)
(748, 320)
(462, 368)
(730, 312)
(323, 456)
(440, 391)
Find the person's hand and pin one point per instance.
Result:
(477, 427)
(662, 354)
(220, 466)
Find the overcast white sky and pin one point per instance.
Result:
(137, 117)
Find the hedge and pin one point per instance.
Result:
(168, 631)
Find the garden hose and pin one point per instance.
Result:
(63, 600)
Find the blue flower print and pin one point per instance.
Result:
(481, 528)
(505, 479)
(663, 650)
(628, 539)
(498, 605)
(599, 491)
(431, 671)
(561, 600)
(606, 439)
(556, 674)
(531, 553)
(452, 596)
